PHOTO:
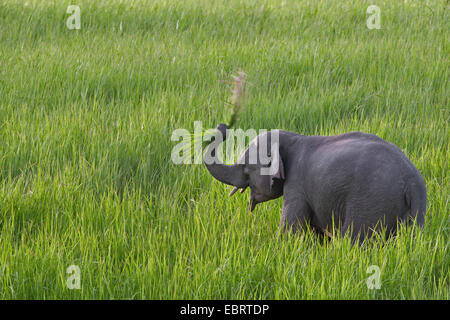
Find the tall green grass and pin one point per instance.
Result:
(86, 118)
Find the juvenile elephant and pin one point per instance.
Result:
(356, 181)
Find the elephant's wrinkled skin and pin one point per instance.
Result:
(356, 181)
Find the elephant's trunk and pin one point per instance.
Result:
(228, 174)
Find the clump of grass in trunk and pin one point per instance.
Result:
(235, 102)
(238, 93)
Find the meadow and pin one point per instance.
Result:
(86, 117)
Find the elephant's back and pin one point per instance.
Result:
(361, 154)
(359, 177)
(359, 163)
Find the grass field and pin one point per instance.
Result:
(86, 118)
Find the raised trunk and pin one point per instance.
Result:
(229, 174)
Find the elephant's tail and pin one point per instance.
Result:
(416, 199)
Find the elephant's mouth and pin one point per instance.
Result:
(256, 198)
(253, 203)
(253, 197)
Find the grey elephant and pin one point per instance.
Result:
(355, 181)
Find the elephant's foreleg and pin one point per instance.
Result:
(296, 214)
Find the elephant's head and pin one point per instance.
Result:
(260, 167)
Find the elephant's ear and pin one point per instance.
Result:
(277, 167)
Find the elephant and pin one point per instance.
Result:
(354, 182)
